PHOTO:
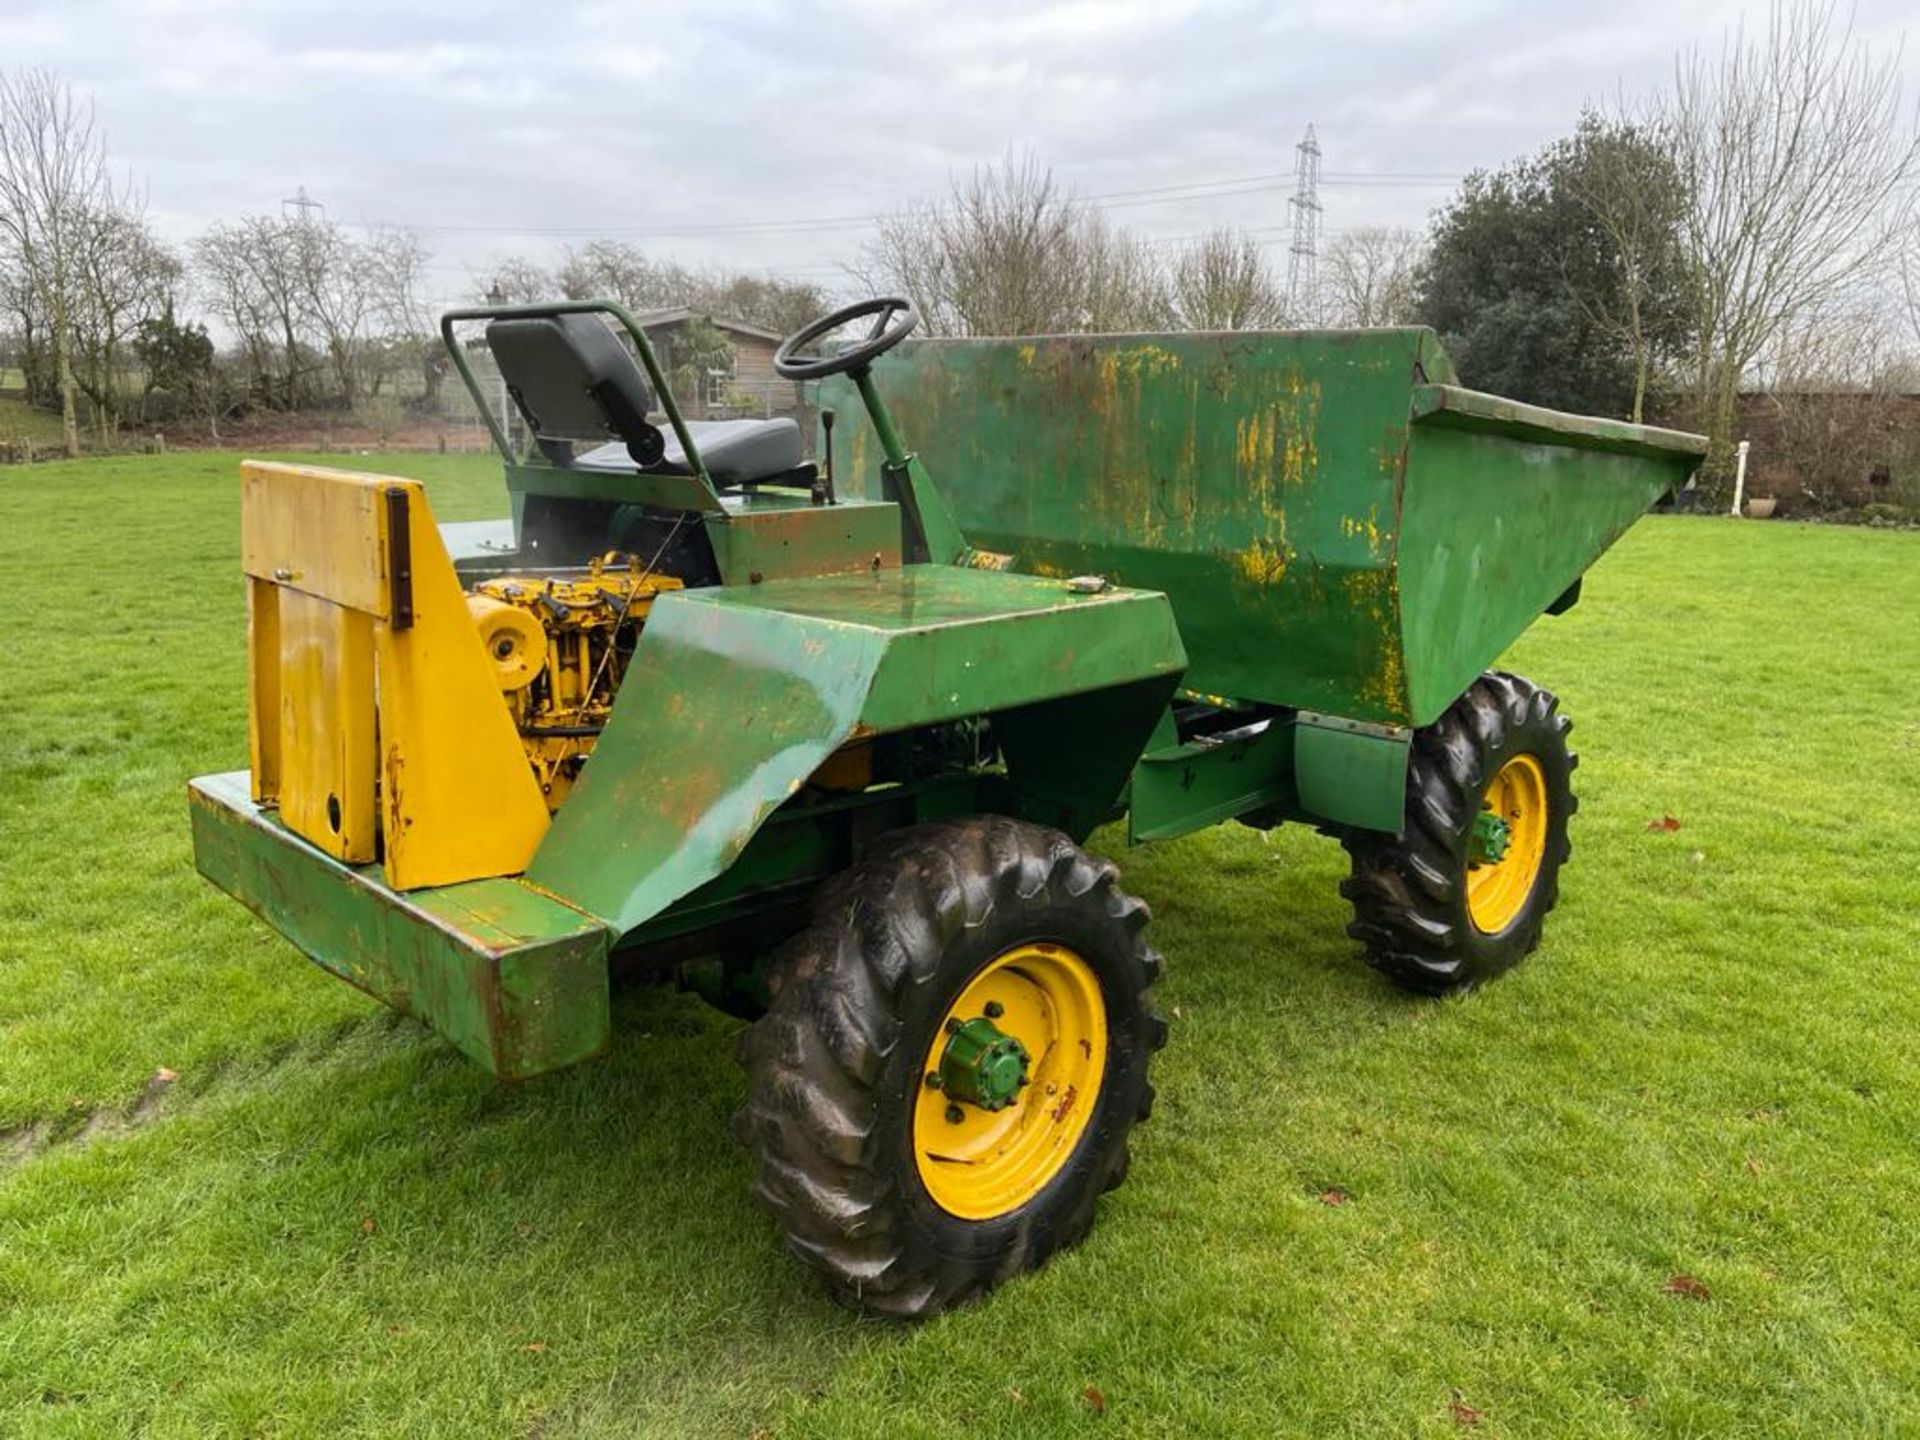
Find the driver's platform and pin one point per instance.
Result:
(957, 625)
(918, 598)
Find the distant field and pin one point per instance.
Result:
(21, 421)
(329, 1224)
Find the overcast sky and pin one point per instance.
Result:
(512, 125)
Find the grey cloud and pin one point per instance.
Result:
(516, 115)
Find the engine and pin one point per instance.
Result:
(559, 641)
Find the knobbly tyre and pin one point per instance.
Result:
(827, 747)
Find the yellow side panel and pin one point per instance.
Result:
(378, 726)
(317, 531)
(263, 688)
(459, 799)
(326, 726)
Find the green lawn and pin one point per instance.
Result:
(329, 1224)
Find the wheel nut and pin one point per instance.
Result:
(955, 1114)
(994, 1009)
(934, 1081)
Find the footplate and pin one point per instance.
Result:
(514, 978)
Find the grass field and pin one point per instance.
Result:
(21, 421)
(326, 1223)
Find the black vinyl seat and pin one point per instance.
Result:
(735, 452)
(574, 381)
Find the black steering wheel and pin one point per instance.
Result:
(880, 339)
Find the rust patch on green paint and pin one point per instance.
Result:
(1300, 455)
(1253, 442)
(1131, 364)
(1367, 527)
(1263, 562)
(1375, 595)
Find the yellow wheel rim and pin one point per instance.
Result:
(1497, 890)
(991, 1162)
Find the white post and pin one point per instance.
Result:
(1739, 476)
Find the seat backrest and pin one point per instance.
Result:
(572, 380)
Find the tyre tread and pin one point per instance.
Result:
(814, 1059)
(1405, 892)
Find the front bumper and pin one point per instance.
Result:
(516, 979)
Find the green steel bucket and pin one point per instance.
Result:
(1338, 525)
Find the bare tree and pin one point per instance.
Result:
(1907, 297)
(334, 286)
(1121, 283)
(1011, 252)
(516, 280)
(300, 294)
(764, 300)
(615, 270)
(394, 263)
(1223, 282)
(1796, 153)
(125, 278)
(251, 275)
(993, 259)
(1368, 276)
(53, 174)
(28, 332)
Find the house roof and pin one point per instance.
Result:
(679, 315)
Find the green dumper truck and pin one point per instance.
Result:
(824, 740)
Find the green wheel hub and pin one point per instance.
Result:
(1490, 838)
(982, 1065)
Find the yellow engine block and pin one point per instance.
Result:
(559, 643)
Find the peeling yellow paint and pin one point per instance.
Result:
(1375, 594)
(1368, 525)
(1254, 438)
(1131, 363)
(1263, 562)
(1139, 360)
(1223, 702)
(1300, 456)
(1190, 440)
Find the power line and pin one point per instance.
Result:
(826, 224)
